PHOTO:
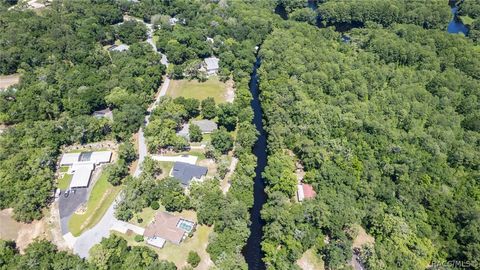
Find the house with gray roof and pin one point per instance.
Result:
(186, 173)
(206, 126)
(211, 65)
(119, 48)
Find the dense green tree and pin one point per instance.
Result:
(127, 152)
(172, 195)
(209, 109)
(227, 116)
(191, 105)
(195, 134)
(116, 172)
(222, 140)
(131, 31)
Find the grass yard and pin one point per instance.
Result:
(64, 181)
(467, 20)
(178, 253)
(198, 153)
(101, 197)
(166, 168)
(64, 169)
(147, 214)
(213, 87)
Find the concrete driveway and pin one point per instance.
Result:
(184, 158)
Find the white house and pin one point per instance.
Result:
(82, 165)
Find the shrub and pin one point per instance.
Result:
(138, 238)
(193, 258)
(155, 205)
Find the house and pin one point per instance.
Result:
(119, 48)
(167, 227)
(206, 126)
(305, 191)
(105, 113)
(184, 132)
(210, 65)
(82, 165)
(185, 173)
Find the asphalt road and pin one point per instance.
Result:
(83, 243)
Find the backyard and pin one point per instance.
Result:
(213, 87)
(178, 253)
(101, 197)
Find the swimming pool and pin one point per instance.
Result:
(185, 225)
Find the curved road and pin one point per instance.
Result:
(81, 245)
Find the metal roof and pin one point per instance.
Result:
(212, 63)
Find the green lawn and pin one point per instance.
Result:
(199, 90)
(64, 182)
(178, 253)
(64, 169)
(467, 20)
(166, 168)
(198, 153)
(101, 197)
(147, 215)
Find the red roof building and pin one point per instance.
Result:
(305, 191)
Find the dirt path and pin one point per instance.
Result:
(8, 80)
(22, 233)
(230, 94)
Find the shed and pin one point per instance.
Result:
(305, 191)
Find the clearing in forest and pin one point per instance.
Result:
(9, 80)
(213, 87)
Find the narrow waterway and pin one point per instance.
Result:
(253, 251)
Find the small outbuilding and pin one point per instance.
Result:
(305, 191)
(186, 173)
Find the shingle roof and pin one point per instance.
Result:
(165, 226)
(206, 126)
(185, 172)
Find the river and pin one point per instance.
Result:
(456, 26)
(253, 252)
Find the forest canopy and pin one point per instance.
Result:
(386, 128)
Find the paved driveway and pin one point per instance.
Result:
(68, 205)
(83, 243)
(185, 158)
